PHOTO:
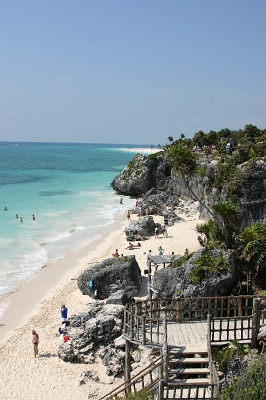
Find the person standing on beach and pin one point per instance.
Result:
(160, 250)
(121, 200)
(35, 342)
(147, 256)
(128, 216)
(64, 313)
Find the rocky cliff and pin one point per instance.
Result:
(153, 176)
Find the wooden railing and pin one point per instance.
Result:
(191, 392)
(228, 329)
(196, 308)
(137, 382)
(143, 320)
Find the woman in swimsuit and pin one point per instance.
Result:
(35, 342)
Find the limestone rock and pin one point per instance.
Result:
(120, 297)
(141, 174)
(113, 361)
(111, 275)
(174, 282)
(103, 326)
(140, 230)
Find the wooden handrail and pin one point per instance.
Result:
(141, 374)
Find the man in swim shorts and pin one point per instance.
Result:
(35, 342)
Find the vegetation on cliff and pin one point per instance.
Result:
(223, 230)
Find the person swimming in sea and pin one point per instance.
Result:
(33, 217)
(5, 209)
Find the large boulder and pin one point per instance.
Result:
(141, 174)
(140, 230)
(102, 326)
(174, 282)
(111, 275)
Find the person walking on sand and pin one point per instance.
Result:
(121, 200)
(128, 216)
(64, 313)
(35, 342)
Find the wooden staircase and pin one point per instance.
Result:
(189, 374)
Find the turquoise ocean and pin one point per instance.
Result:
(67, 188)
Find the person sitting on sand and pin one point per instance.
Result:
(116, 254)
(130, 246)
(139, 244)
(35, 342)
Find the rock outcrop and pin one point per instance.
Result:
(98, 326)
(152, 176)
(111, 275)
(140, 230)
(141, 174)
(174, 282)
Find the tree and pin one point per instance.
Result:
(252, 248)
(170, 139)
(229, 213)
(198, 138)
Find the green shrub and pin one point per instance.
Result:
(180, 261)
(250, 385)
(207, 265)
(143, 394)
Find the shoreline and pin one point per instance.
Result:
(54, 376)
(25, 301)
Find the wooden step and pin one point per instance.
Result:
(188, 360)
(189, 371)
(188, 350)
(189, 382)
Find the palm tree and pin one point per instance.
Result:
(229, 212)
(170, 139)
(252, 248)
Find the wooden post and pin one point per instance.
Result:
(131, 328)
(255, 321)
(161, 380)
(143, 329)
(127, 365)
(149, 280)
(165, 350)
(209, 346)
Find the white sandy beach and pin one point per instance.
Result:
(37, 306)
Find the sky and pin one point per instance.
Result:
(130, 71)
